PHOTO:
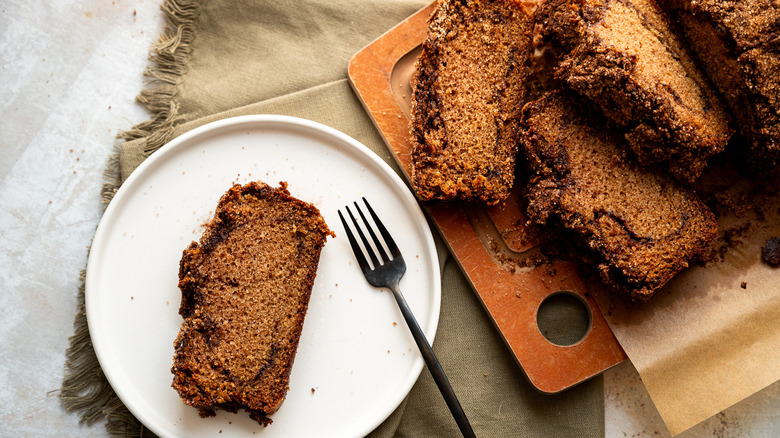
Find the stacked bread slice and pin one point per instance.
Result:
(618, 124)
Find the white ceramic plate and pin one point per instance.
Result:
(356, 359)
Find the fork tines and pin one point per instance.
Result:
(359, 254)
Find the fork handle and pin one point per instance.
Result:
(433, 364)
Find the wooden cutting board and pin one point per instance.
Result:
(491, 244)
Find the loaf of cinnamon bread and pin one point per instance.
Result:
(245, 291)
(641, 227)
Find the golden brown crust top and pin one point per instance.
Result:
(641, 226)
(748, 23)
(624, 56)
(245, 291)
(467, 91)
(738, 41)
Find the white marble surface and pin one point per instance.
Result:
(70, 72)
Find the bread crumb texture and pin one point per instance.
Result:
(245, 291)
(738, 42)
(641, 226)
(466, 93)
(625, 57)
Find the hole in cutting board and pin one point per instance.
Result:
(564, 318)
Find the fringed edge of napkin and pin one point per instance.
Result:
(169, 59)
(85, 389)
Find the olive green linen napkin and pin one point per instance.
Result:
(223, 58)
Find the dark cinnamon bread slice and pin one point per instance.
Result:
(467, 91)
(245, 290)
(738, 41)
(625, 57)
(641, 227)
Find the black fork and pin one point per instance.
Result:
(387, 273)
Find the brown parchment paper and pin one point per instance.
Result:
(711, 337)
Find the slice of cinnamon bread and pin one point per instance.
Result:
(467, 91)
(738, 41)
(625, 57)
(245, 290)
(641, 227)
